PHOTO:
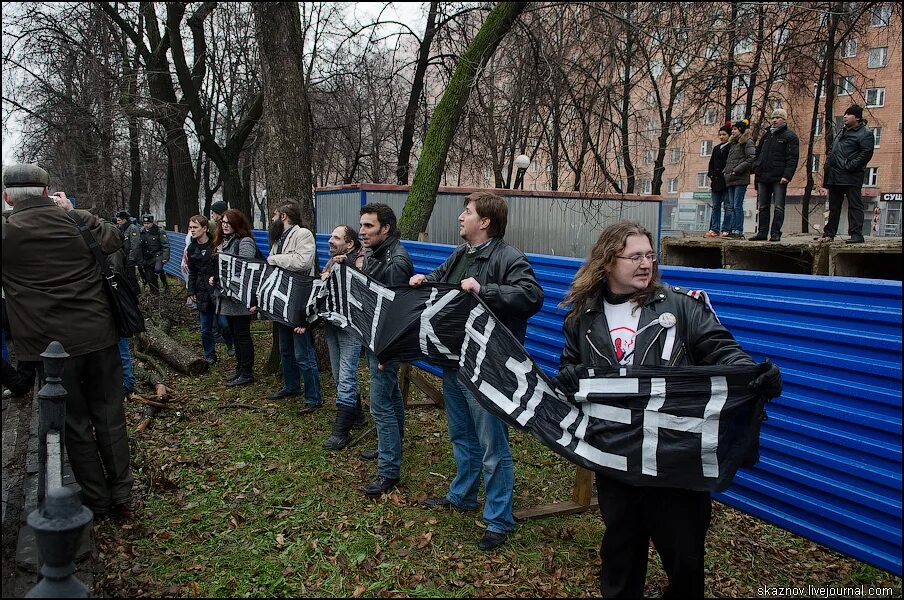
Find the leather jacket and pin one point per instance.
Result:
(699, 338)
(507, 283)
(777, 155)
(389, 263)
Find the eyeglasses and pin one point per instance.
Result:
(224, 222)
(638, 259)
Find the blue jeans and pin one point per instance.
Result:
(125, 357)
(388, 411)
(345, 352)
(768, 194)
(715, 222)
(479, 443)
(210, 319)
(299, 360)
(734, 213)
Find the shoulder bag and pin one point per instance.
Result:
(123, 300)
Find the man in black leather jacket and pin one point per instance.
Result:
(620, 315)
(845, 168)
(387, 261)
(503, 278)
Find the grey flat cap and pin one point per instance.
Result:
(25, 175)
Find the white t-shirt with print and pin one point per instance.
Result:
(623, 320)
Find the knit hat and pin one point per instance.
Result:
(726, 128)
(741, 125)
(219, 207)
(780, 112)
(855, 110)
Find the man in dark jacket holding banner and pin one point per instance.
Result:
(845, 168)
(620, 316)
(386, 261)
(503, 278)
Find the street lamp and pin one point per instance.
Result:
(522, 162)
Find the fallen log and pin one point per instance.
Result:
(175, 354)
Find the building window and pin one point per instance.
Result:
(778, 103)
(881, 16)
(849, 48)
(846, 85)
(712, 52)
(819, 91)
(817, 127)
(877, 133)
(814, 163)
(871, 179)
(674, 156)
(741, 80)
(875, 97)
(647, 186)
(780, 71)
(781, 36)
(673, 186)
(744, 46)
(837, 124)
(709, 116)
(706, 148)
(649, 157)
(701, 180)
(878, 57)
(677, 124)
(737, 112)
(656, 69)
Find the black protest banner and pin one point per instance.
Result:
(398, 323)
(687, 427)
(280, 295)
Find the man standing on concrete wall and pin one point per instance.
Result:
(777, 157)
(845, 168)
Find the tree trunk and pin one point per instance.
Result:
(182, 185)
(286, 109)
(417, 88)
(174, 353)
(447, 116)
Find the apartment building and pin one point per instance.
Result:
(870, 75)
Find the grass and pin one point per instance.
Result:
(245, 502)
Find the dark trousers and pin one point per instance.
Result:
(151, 272)
(133, 280)
(675, 519)
(855, 210)
(240, 327)
(767, 196)
(97, 441)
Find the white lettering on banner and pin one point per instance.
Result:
(427, 332)
(352, 275)
(707, 426)
(480, 337)
(596, 410)
(334, 298)
(310, 307)
(237, 276)
(382, 293)
(270, 290)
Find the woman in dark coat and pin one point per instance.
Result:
(201, 257)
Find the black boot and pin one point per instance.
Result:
(360, 417)
(340, 438)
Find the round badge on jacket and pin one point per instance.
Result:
(667, 320)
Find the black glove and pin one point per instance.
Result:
(768, 381)
(567, 379)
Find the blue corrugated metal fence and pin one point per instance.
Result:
(830, 467)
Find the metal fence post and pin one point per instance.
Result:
(52, 420)
(58, 527)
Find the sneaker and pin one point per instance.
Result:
(379, 486)
(775, 238)
(230, 351)
(492, 540)
(737, 236)
(710, 234)
(283, 393)
(369, 454)
(211, 360)
(725, 234)
(309, 408)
